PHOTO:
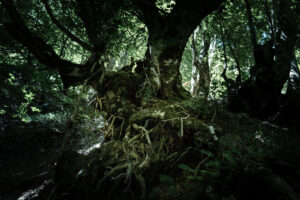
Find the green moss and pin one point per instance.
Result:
(193, 145)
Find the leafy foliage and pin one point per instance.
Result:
(207, 149)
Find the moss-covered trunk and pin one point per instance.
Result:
(163, 58)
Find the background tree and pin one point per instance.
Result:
(200, 80)
(135, 54)
(260, 95)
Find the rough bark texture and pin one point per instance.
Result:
(146, 136)
(168, 34)
(163, 66)
(144, 132)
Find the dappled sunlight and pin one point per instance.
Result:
(33, 193)
(90, 147)
(149, 100)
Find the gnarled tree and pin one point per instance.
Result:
(144, 124)
(168, 35)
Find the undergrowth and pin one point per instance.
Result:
(184, 150)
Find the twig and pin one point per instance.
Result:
(111, 125)
(141, 180)
(113, 170)
(212, 120)
(100, 101)
(199, 164)
(181, 125)
(143, 130)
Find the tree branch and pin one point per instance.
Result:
(90, 24)
(149, 13)
(194, 11)
(252, 30)
(230, 45)
(42, 51)
(268, 14)
(194, 46)
(64, 29)
(224, 50)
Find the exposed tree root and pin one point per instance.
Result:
(156, 138)
(163, 138)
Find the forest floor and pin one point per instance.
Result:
(27, 159)
(231, 157)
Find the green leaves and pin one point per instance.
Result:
(187, 168)
(229, 157)
(166, 179)
(35, 109)
(207, 153)
(11, 79)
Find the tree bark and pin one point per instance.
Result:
(232, 86)
(200, 81)
(168, 35)
(289, 112)
(269, 16)
(252, 29)
(164, 58)
(260, 95)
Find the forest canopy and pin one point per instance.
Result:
(160, 79)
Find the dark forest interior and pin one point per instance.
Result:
(150, 99)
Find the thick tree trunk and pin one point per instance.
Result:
(289, 112)
(168, 34)
(163, 58)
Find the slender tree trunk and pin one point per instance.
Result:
(195, 78)
(200, 81)
(237, 62)
(123, 59)
(231, 85)
(289, 112)
(260, 95)
(252, 29)
(63, 46)
(294, 77)
(269, 16)
(111, 64)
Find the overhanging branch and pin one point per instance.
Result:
(42, 51)
(90, 24)
(149, 13)
(64, 29)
